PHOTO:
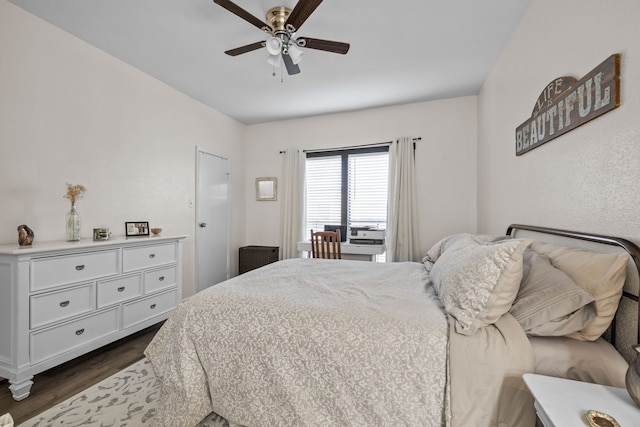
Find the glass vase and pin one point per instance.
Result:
(73, 225)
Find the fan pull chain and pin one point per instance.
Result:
(281, 75)
(273, 73)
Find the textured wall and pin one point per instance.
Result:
(72, 113)
(587, 179)
(445, 159)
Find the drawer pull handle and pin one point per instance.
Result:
(64, 303)
(161, 278)
(152, 255)
(80, 331)
(80, 267)
(153, 306)
(121, 289)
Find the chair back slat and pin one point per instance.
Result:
(326, 244)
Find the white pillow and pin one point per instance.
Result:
(478, 282)
(438, 249)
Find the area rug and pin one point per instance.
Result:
(127, 398)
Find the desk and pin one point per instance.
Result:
(563, 403)
(352, 251)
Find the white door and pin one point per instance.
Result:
(212, 219)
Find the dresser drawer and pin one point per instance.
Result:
(149, 307)
(155, 280)
(59, 305)
(60, 339)
(60, 270)
(148, 256)
(118, 290)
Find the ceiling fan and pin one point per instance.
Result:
(281, 26)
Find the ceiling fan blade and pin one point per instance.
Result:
(291, 67)
(302, 10)
(244, 49)
(326, 45)
(238, 11)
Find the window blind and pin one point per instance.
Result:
(368, 186)
(324, 193)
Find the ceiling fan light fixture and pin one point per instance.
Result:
(295, 53)
(274, 60)
(274, 45)
(281, 25)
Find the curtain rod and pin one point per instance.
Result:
(376, 144)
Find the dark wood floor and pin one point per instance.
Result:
(58, 384)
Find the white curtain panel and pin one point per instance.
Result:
(292, 202)
(403, 243)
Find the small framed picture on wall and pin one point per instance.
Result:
(266, 189)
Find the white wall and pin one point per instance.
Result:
(72, 113)
(587, 179)
(445, 158)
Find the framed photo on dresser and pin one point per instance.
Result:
(136, 229)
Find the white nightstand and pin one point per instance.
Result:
(564, 403)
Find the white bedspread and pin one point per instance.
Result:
(295, 344)
(336, 343)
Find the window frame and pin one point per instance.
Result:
(345, 153)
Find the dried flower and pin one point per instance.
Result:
(74, 192)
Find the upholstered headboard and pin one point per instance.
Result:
(624, 332)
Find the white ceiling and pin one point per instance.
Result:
(401, 52)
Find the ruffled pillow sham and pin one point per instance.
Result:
(477, 281)
(438, 249)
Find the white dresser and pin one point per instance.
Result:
(59, 300)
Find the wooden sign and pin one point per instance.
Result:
(567, 103)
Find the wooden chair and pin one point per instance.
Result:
(326, 244)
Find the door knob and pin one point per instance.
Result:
(203, 224)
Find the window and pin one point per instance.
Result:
(347, 187)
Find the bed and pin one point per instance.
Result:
(444, 342)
